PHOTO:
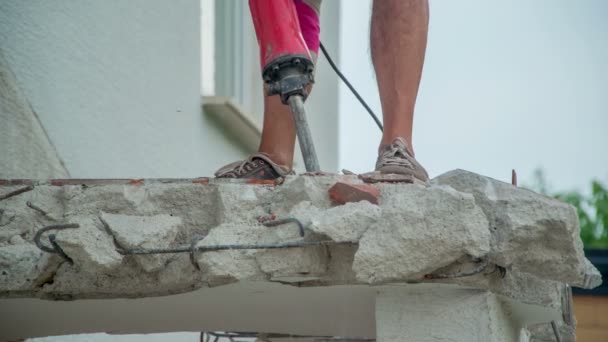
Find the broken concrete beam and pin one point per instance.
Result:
(461, 229)
(147, 238)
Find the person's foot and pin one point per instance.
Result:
(396, 158)
(256, 166)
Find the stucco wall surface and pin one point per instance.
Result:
(25, 149)
(116, 84)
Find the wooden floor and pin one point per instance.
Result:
(591, 314)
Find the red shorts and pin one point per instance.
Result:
(308, 16)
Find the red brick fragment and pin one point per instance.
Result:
(201, 181)
(57, 182)
(136, 181)
(262, 181)
(342, 193)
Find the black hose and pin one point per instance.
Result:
(352, 89)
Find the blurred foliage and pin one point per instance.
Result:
(592, 209)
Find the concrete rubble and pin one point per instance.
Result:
(461, 229)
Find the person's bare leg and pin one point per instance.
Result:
(398, 42)
(276, 146)
(279, 131)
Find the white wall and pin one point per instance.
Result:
(116, 84)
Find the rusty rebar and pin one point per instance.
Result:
(40, 210)
(16, 192)
(230, 247)
(279, 222)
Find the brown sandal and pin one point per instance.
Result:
(256, 166)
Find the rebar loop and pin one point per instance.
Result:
(56, 249)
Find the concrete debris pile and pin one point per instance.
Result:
(137, 238)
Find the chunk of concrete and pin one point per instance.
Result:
(298, 189)
(421, 230)
(593, 277)
(20, 266)
(144, 232)
(17, 240)
(88, 246)
(229, 266)
(226, 267)
(237, 203)
(294, 265)
(538, 233)
(346, 222)
(543, 332)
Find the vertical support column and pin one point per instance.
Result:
(208, 47)
(423, 313)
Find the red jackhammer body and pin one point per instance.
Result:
(287, 66)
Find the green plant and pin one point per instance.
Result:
(592, 210)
